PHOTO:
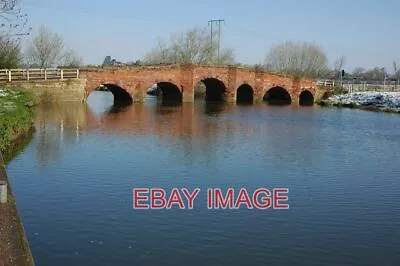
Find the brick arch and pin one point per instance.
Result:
(216, 87)
(241, 82)
(96, 78)
(170, 92)
(278, 94)
(224, 81)
(245, 93)
(274, 85)
(306, 96)
(311, 89)
(121, 93)
(148, 83)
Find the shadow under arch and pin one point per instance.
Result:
(215, 90)
(121, 96)
(277, 96)
(306, 98)
(169, 93)
(245, 94)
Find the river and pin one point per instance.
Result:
(73, 184)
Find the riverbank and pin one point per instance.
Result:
(16, 117)
(371, 101)
(16, 127)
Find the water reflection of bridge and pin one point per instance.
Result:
(189, 130)
(186, 120)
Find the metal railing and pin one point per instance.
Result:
(9, 75)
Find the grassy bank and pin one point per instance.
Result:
(16, 117)
(16, 127)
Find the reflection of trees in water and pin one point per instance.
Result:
(57, 124)
(47, 144)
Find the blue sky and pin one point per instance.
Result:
(365, 32)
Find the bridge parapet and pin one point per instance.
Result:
(50, 85)
(9, 75)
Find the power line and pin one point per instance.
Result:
(211, 22)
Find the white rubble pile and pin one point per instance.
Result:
(378, 99)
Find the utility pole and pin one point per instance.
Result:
(211, 22)
(341, 73)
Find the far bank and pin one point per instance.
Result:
(371, 101)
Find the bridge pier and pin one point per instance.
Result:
(138, 93)
(186, 82)
(258, 98)
(230, 97)
(138, 97)
(188, 96)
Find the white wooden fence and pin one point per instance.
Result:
(371, 87)
(326, 83)
(8, 75)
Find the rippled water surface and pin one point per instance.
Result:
(74, 182)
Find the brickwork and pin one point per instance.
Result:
(137, 80)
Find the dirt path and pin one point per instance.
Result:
(12, 251)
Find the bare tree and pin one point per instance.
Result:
(300, 59)
(191, 47)
(71, 59)
(13, 22)
(10, 53)
(339, 63)
(358, 71)
(160, 54)
(377, 74)
(12, 28)
(47, 49)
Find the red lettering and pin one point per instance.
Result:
(209, 198)
(277, 198)
(191, 197)
(223, 202)
(175, 198)
(158, 200)
(265, 201)
(137, 198)
(243, 198)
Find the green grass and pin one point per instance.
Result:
(16, 116)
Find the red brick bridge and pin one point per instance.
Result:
(177, 83)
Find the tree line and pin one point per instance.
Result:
(299, 59)
(198, 46)
(194, 46)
